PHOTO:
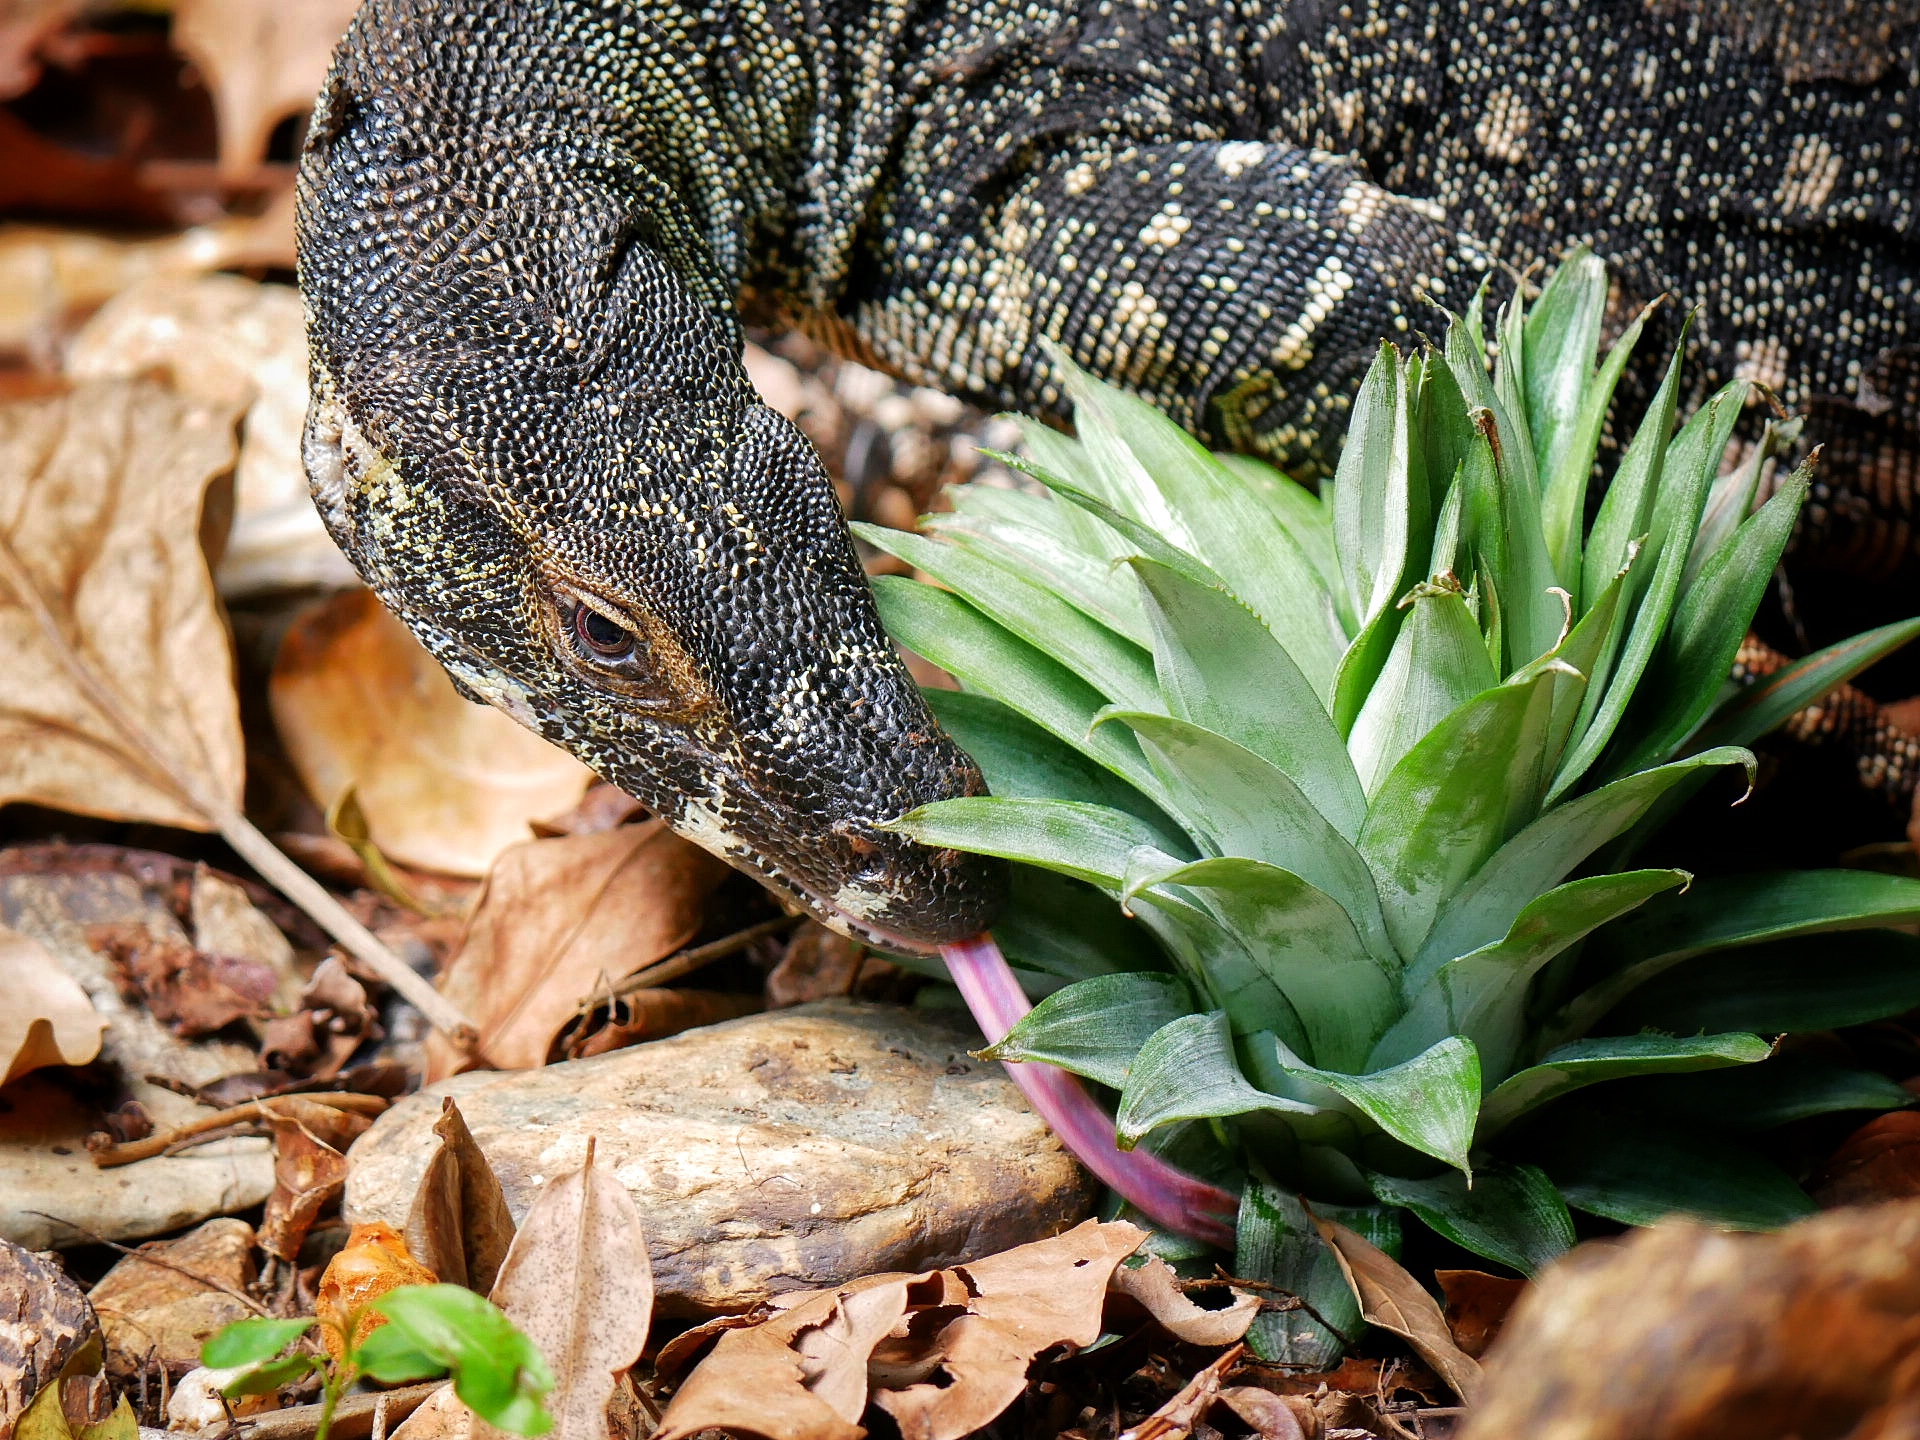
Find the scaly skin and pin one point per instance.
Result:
(525, 227)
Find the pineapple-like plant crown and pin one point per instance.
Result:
(1354, 760)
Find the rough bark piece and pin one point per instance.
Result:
(1685, 1333)
(47, 1330)
(778, 1152)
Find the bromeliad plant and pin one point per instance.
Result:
(1368, 768)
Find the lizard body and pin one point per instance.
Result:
(527, 226)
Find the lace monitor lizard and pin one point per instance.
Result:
(528, 227)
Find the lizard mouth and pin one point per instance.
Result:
(888, 917)
(838, 917)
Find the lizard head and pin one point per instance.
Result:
(542, 452)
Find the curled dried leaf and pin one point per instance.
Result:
(459, 1225)
(942, 1352)
(309, 1168)
(1156, 1289)
(48, 1019)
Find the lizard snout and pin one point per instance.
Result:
(902, 895)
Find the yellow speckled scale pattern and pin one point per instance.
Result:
(525, 224)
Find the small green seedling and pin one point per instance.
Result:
(431, 1330)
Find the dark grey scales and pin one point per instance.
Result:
(526, 225)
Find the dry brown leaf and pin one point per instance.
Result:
(579, 1282)
(1156, 1289)
(47, 1018)
(818, 965)
(374, 1260)
(755, 1382)
(1477, 1306)
(48, 274)
(1024, 1301)
(558, 919)
(440, 1417)
(1176, 1419)
(1684, 1333)
(47, 1330)
(603, 807)
(162, 1302)
(1270, 1416)
(837, 1355)
(1392, 1299)
(120, 697)
(240, 344)
(459, 1226)
(191, 992)
(309, 1168)
(943, 1352)
(101, 496)
(444, 784)
(227, 922)
(334, 1019)
(263, 60)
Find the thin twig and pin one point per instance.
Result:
(93, 1237)
(686, 961)
(1298, 1302)
(190, 790)
(125, 1154)
(291, 881)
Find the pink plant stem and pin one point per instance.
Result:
(1165, 1195)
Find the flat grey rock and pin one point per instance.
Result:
(776, 1152)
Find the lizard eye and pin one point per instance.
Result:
(622, 651)
(603, 638)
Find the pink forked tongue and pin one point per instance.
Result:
(1167, 1196)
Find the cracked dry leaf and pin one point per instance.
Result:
(800, 1374)
(943, 1352)
(101, 498)
(1023, 1301)
(444, 784)
(310, 1141)
(48, 1019)
(579, 1283)
(557, 920)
